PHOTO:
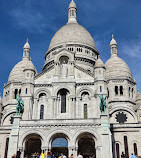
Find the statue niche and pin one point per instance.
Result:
(64, 66)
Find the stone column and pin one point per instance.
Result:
(54, 107)
(106, 137)
(72, 150)
(14, 136)
(73, 108)
(98, 151)
(35, 109)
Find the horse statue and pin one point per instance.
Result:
(20, 106)
(102, 103)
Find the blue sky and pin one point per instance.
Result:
(39, 20)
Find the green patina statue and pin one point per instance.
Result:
(102, 103)
(20, 106)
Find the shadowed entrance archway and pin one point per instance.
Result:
(32, 145)
(86, 145)
(59, 144)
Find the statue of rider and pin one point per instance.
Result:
(20, 106)
(102, 104)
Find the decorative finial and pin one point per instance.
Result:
(98, 56)
(112, 36)
(72, 11)
(27, 40)
(138, 91)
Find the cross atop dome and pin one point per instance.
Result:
(72, 13)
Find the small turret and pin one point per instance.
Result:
(99, 70)
(72, 13)
(26, 51)
(113, 46)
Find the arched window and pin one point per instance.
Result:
(42, 112)
(117, 151)
(41, 95)
(85, 111)
(126, 147)
(6, 147)
(15, 93)
(63, 59)
(26, 91)
(100, 88)
(135, 149)
(19, 92)
(132, 92)
(121, 90)
(129, 91)
(116, 90)
(63, 97)
(85, 96)
(108, 92)
(11, 120)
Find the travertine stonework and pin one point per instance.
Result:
(72, 68)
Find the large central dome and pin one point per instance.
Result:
(72, 32)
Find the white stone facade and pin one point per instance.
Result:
(72, 69)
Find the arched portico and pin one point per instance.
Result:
(59, 142)
(88, 143)
(30, 142)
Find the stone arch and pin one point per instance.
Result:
(134, 141)
(25, 135)
(63, 87)
(86, 142)
(42, 90)
(53, 133)
(83, 89)
(124, 109)
(132, 146)
(7, 114)
(65, 53)
(80, 132)
(119, 142)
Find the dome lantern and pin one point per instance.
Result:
(113, 46)
(26, 50)
(72, 13)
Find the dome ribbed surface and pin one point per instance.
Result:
(117, 68)
(72, 33)
(99, 63)
(17, 73)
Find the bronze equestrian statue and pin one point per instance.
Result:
(102, 104)
(20, 106)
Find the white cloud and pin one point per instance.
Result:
(30, 20)
(132, 49)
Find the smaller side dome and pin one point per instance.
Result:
(138, 100)
(138, 97)
(30, 66)
(26, 46)
(99, 63)
(117, 68)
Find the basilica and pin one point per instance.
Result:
(62, 104)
